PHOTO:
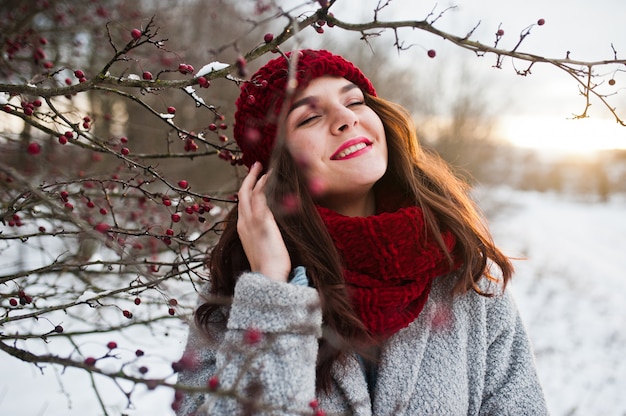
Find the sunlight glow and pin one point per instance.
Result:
(568, 136)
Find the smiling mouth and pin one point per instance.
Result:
(350, 150)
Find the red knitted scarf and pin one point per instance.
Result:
(390, 261)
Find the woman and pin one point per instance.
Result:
(355, 275)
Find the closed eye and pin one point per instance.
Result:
(307, 121)
(355, 103)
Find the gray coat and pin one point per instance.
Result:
(463, 355)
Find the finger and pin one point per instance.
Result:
(248, 182)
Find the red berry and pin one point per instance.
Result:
(102, 227)
(214, 383)
(69, 206)
(611, 81)
(432, 53)
(123, 139)
(125, 151)
(127, 314)
(90, 361)
(203, 82)
(147, 75)
(103, 211)
(171, 110)
(58, 329)
(143, 369)
(241, 65)
(139, 353)
(314, 404)
(500, 32)
(112, 345)
(268, 37)
(212, 127)
(135, 33)
(137, 301)
(171, 311)
(33, 148)
(169, 232)
(175, 217)
(79, 74)
(541, 22)
(330, 24)
(252, 336)
(13, 302)
(183, 184)
(172, 302)
(69, 134)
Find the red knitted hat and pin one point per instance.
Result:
(261, 99)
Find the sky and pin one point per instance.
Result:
(537, 110)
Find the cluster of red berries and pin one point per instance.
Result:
(185, 69)
(190, 144)
(86, 122)
(23, 41)
(319, 25)
(15, 221)
(23, 299)
(68, 135)
(214, 127)
(29, 106)
(80, 75)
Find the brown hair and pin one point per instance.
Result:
(412, 173)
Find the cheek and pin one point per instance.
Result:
(303, 150)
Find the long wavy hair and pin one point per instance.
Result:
(413, 174)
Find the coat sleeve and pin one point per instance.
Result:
(511, 383)
(263, 359)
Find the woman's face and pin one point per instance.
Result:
(338, 140)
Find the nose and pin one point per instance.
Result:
(344, 119)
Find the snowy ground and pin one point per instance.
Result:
(570, 291)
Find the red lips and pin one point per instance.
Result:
(351, 148)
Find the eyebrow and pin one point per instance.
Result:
(310, 99)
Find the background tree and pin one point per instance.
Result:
(116, 165)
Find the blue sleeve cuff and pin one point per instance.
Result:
(299, 276)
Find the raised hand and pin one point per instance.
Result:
(259, 234)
